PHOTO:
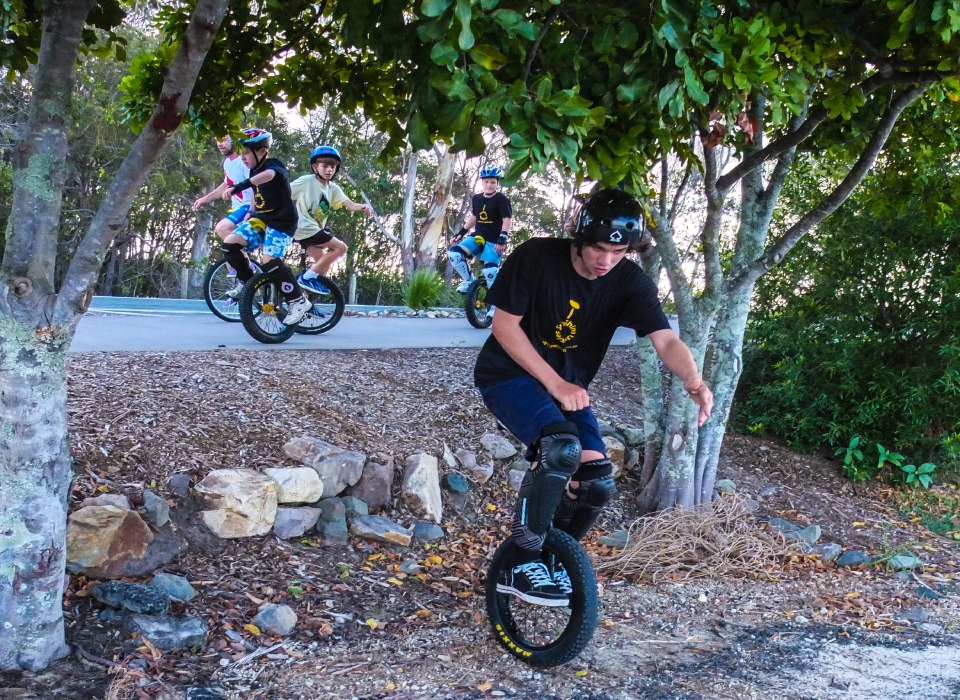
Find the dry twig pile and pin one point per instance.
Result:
(719, 539)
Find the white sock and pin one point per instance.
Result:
(310, 275)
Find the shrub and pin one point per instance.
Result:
(424, 290)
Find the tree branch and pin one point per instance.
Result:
(710, 234)
(816, 118)
(681, 190)
(376, 216)
(550, 19)
(181, 76)
(864, 163)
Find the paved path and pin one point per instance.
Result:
(143, 325)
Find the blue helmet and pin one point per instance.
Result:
(491, 171)
(325, 151)
(256, 138)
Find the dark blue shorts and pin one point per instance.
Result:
(525, 408)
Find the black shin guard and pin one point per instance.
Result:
(278, 270)
(577, 516)
(540, 492)
(233, 252)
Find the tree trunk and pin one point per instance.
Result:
(35, 473)
(432, 228)
(36, 326)
(407, 255)
(201, 249)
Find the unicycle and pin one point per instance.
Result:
(475, 304)
(263, 308)
(216, 283)
(538, 635)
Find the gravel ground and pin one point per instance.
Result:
(808, 631)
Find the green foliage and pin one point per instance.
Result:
(424, 290)
(853, 465)
(922, 475)
(858, 332)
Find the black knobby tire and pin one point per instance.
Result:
(538, 635)
(215, 286)
(326, 312)
(262, 307)
(475, 304)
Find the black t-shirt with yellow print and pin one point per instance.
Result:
(490, 213)
(569, 319)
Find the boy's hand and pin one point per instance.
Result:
(228, 194)
(571, 396)
(367, 210)
(703, 397)
(199, 203)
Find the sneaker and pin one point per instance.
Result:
(296, 311)
(562, 580)
(312, 285)
(231, 273)
(465, 287)
(532, 583)
(234, 293)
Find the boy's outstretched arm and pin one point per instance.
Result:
(677, 358)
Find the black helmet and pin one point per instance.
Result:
(609, 216)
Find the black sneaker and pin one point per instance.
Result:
(532, 583)
(562, 579)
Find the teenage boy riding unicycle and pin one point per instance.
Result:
(492, 216)
(272, 223)
(315, 195)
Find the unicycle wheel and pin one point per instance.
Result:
(478, 314)
(538, 635)
(262, 308)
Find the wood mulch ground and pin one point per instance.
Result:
(138, 418)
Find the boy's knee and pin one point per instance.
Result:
(224, 228)
(338, 246)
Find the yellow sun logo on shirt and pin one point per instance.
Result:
(566, 329)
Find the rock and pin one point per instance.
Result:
(333, 532)
(783, 526)
(930, 628)
(902, 562)
(498, 446)
(169, 633)
(243, 502)
(482, 472)
(521, 465)
(179, 484)
(104, 541)
(293, 522)
(515, 478)
(306, 449)
(203, 693)
(808, 535)
(135, 597)
(827, 551)
(726, 486)
(380, 529)
(375, 487)
(617, 540)
(751, 506)
(914, 614)
(354, 506)
(606, 430)
(467, 459)
(296, 484)
(158, 510)
(410, 566)
(339, 470)
(764, 448)
(852, 558)
(280, 620)
(174, 586)
(615, 451)
(449, 458)
(107, 499)
(767, 491)
(632, 436)
(424, 531)
(421, 485)
(902, 575)
(455, 483)
(631, 458)
(800, 619)
(924, 592)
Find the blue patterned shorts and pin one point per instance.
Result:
(274, 242)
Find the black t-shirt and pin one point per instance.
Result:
(271, 200)
(569, 319)
(490, 213)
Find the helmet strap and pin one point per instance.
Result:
(260, 159)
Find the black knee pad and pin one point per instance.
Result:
(233, 253)
(540, 492)
(577, 516)
(273, 268)
(231, 248)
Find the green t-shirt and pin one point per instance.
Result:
(314, 202)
